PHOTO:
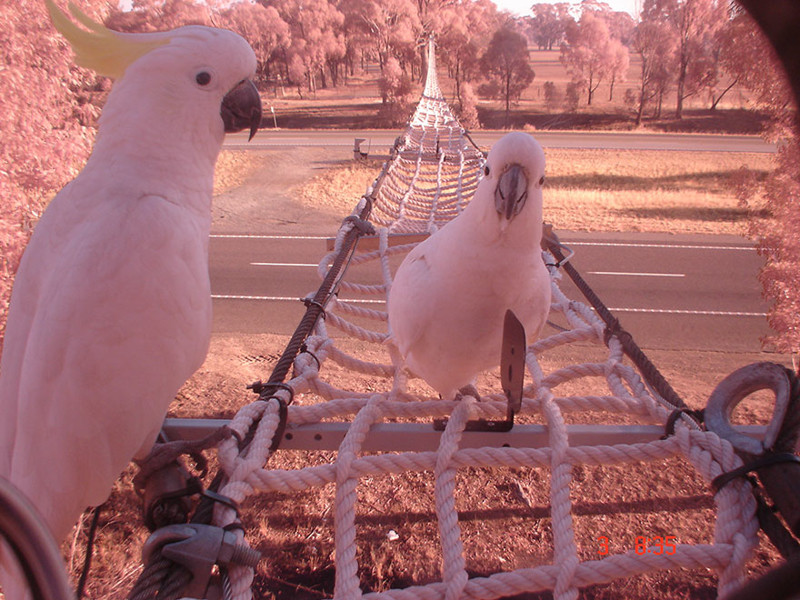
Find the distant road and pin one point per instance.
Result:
(378, 142)
(672, 292)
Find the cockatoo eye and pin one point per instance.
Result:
(486, 170)
(541, 181)
(203, 78)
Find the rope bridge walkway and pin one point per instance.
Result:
(399, 428)
(434, 166)
(370, 417)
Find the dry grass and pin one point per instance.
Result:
(649, 191)
(233, 168)
(604, 190)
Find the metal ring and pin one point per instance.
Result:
(735, 388)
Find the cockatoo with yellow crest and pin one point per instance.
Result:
(111, 307)
(449, 296)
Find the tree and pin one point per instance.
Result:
(263, 27)
(468, 108)
(733, 51)
(552, 96)
(695, 24)
(158, 15)
(46, 141)
(317, 40)
(655, 43)
(619, 61)
(463, 29)
(756, 65)
(572, 97)
(588, 53)
(396, 93)
(549, 24)
(391, 26)
(506, 64)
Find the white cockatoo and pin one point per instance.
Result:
(449, 297)
(111, 308)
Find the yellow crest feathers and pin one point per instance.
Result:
(104, 51)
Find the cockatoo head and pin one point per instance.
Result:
(514, 172)
(192, 72)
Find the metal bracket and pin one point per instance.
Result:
(549, 240)
(512, 376)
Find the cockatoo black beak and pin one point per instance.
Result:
(511, 191)
(241, 108)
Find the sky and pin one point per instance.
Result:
(523, 7)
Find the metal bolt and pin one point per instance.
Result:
(231, 552)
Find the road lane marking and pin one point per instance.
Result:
(677, 311)
(669, 246)
(270, 264)
(663, 311)
(258, 236)
(287, 299)
(620, 273)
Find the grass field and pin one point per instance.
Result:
(356, 105)
(604, 190)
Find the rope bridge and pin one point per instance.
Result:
(395, 425)
(360, 423)
(434, 166)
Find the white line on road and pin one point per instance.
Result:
(619, 273)
(671, 246)
(269, 264)
(256, 236)
(287, 299)
(675, 311)
(662, 311)
(265, 298)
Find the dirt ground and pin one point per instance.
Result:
(257, 192)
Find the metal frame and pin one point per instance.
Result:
(420, 437)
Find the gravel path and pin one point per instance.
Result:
(264, 203)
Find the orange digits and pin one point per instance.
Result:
(603, 545)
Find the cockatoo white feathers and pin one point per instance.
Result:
(111, 307)
(449, 296)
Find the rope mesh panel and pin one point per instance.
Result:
(363, 317)
(431, 176)
(434, 169)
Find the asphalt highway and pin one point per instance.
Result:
(378, 142)
(670, 291)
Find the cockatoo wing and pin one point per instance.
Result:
(126, 294)
(414, 274)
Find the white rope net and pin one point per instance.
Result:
(434, 168)
(431, 176)
(363, 317)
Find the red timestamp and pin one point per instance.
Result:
(658, 545)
